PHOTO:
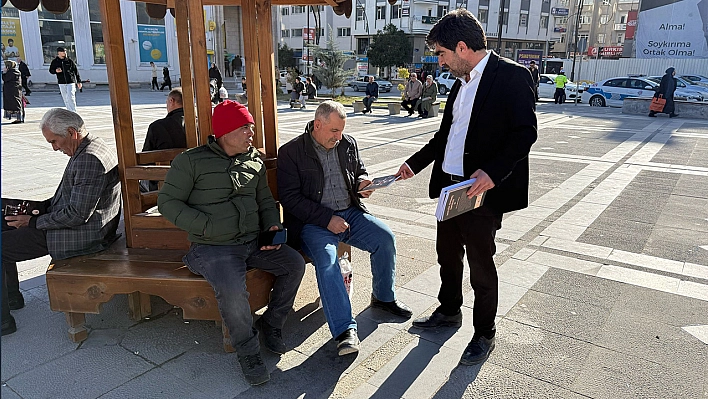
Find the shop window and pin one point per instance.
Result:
(99, 55)
(56, 30)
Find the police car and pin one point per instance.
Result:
(613, 91)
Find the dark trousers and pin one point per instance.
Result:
(475, 232)
(154, 84)
(559, 95)
(24, 85)
(367, 102)
(409, 105)
(18, 245)
(167, 83)
(224, 267)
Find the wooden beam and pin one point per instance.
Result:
(197, 37)
(332, 3)
(117, 68)
(185, 67)
(267, 67)
(147, 172)
(253, 77)
(147, 157)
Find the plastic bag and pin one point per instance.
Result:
(345, 266)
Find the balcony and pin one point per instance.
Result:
(620, 26)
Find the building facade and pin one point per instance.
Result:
(38, 34)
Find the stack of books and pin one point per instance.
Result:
(453, 200)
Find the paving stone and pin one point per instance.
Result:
(575, 319)
(674, 310)
(565, 262)
(491, 381)
(579, 287)
(537, 353)
(7, 393)
(611, 374)
(520, 273)
(156, 383)
(84, 373)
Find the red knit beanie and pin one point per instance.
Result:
(229, 116)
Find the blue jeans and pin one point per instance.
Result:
(365, 232)
(224, 267)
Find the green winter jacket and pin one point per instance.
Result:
(217, 199)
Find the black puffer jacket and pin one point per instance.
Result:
(69, 73)
(11, 90)
(301, 180)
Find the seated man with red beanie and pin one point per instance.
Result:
(218, 193)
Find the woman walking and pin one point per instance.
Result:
(12, 93)
(666, 90)
(166, 81)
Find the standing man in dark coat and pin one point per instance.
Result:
(236, 65)
(536, 75)
(25, 73)
(487, 135)
(67, 77)
(12, 93)
(166, 133)
(666, 90)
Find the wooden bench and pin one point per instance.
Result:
(82, 284)
(394, 106)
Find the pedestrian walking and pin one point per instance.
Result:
(236, 65)
(67, 77)
(12, 93)
(227, 65)
(153, 84)
(666, 90)
(25, 74)
(166, 81)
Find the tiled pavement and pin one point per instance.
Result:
(603, 279)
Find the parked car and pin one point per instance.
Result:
(359, 84)
(697, 79)
(547, 87)
(445, 82)
(686, 89)
(613, 91)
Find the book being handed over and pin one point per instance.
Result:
(453, 200)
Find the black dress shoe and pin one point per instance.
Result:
(9, 326)
(347, 342)
(477, 350)
(395, 307)
(438, 319)
(15, 300)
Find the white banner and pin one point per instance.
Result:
(673, 29)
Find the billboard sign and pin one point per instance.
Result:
(561, 12)
(153, 44)
(631, 24)
(524, 57)
(308, 35)
(12, 46)
(672, 29)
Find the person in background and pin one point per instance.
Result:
(413, 91)
(12, 102)
(67, 77)
(218, 193)
(25, 74)
(536, 75)
(166, 81)
(236, 65)
(430, 94)
(227, 66)
(166, 133)
(666, 89)
(153, 70)
(320, 175)
(310, 89)
(560, 81)
(372, 93)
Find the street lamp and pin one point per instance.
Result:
(575, 39)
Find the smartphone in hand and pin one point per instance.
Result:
(270, 238)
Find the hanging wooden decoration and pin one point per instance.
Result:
(25, 5)
(156, 11)
(56, 6)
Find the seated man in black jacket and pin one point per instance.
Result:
(166, 133)
(320, 175)
(372, 93)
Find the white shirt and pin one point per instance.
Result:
(453, 162)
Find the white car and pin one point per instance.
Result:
(547, 87)
(613, 91)
(697, 79)
(445, 82)
(685, 90)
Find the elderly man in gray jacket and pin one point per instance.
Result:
(82, 216)
(414, 89)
